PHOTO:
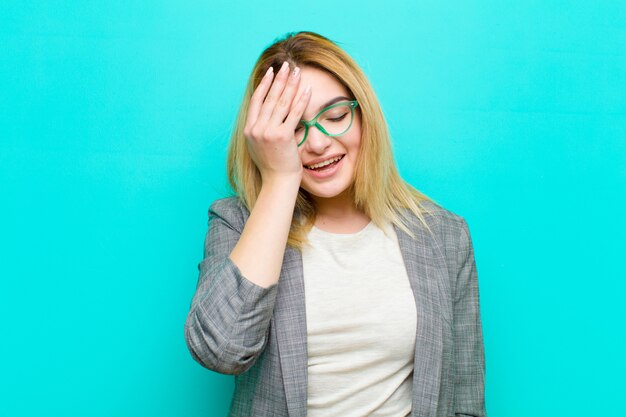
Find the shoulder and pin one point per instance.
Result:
(448, 229)
(230, 210)
(441, 220)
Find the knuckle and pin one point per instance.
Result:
(268, 135)
(276, 134)
(283, 102)
(257, 132)
(282, 134)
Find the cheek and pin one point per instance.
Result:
(355, 140)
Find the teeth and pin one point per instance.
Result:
(323, 164)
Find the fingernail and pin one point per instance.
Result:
(284, 67)
(269, 71)
(295, 72)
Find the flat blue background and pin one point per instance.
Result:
(114, 122)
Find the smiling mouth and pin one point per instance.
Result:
(324, 165)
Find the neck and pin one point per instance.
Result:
(339, 214)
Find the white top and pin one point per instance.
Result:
(361, 322)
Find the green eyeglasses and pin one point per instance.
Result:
(334, 120)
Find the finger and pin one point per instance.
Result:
(256, 101)
(274, 94)
(295, 115)
(286, 98)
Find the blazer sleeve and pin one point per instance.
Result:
(469, 361)
(228, 323)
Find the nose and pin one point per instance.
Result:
(317, 141)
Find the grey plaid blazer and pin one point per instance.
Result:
(259, 335)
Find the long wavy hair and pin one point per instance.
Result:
(378, 190)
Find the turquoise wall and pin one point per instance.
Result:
(114, 121)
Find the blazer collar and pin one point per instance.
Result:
(425, 267)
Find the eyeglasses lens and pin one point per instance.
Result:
(335, 121)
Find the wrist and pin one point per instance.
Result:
(283, 182)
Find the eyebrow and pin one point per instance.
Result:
(329, 102)
(333, 101)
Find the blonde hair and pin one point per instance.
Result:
(378, 190)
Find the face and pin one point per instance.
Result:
(332, 180)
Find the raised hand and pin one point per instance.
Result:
(272, 118)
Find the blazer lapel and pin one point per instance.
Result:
(422, 258)
(290, 324)
(425, 265)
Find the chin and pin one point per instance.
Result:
(325, 192)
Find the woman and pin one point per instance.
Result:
(329, 286)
